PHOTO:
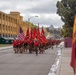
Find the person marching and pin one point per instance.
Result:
(25, 46)
(36, 46)
(21, 46)
(15, 45)
(30, 43)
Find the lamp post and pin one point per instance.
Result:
(29, 20)
(31, 17)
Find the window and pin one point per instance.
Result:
(3, 35)
(3, 27)
(6, 35)
(0, 15)
(0, 26)
(3, 16)
(0, 35)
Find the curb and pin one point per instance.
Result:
(3, 48)
(55, 69)
(59, 67)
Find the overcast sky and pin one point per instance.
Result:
(44, 9)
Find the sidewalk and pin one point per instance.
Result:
(8, 47)
(64, 67)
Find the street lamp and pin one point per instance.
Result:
(31, 17)
(29, 20)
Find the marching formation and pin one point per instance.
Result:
(34, 41)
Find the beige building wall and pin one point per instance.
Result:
(10, 24)
(24, 26)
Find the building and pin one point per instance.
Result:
(10, 23)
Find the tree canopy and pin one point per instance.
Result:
(67, 10)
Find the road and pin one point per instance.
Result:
(26, 64)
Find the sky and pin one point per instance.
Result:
(44, 9)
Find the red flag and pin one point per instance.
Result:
(42, 37)
(21, 35)
(38, 30)
(27, 32)
(31, 35)
(27, 35)
(34, 33)
(42, 32)
(73, 55)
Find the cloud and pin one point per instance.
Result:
(48, 19)
(44, 9)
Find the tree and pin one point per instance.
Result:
(31, 25)
(67, 10)
(66, 32)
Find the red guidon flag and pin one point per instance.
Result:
(27, 35)
(27, 32)
(34, 33)
(31, 34)
(42, 32)
(73, 55)
(41, 37)
(38, 30)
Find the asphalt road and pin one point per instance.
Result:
(26, 64)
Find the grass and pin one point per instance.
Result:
(5, 45)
